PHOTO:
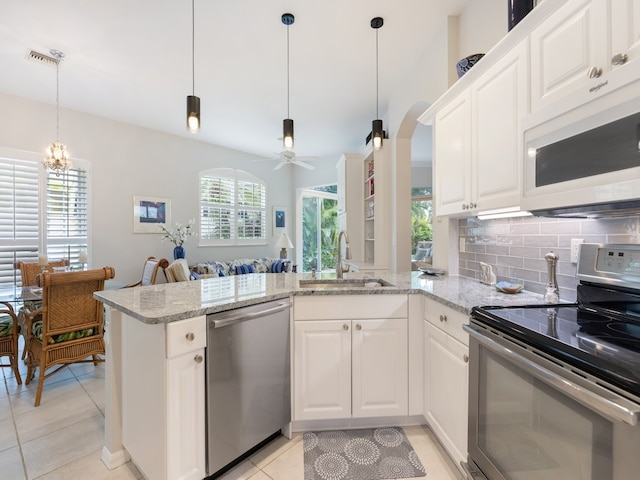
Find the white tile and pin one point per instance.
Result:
(11, 464)
(260, 476)
(5, 407)
(288, 466)
(91, 467)
(47, 453)
(55, 414)
(23, 398)
(435, 460)
(242, 471)
(7, 434)
(273, 450)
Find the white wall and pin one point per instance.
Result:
(127, 160)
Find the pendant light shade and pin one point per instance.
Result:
(193, 102)
(376, 127)
(287, 123)
(57, 158)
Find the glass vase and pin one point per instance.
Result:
(178, 252)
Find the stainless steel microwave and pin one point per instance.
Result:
(586, 162)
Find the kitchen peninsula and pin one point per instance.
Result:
(165, 337)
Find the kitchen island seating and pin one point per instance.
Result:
(150, 271)
(9, 331)
(71, 328)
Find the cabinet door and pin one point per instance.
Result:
(499, 100)
(322, 369)
(446, 389)
(380, 367)
(452, 158)
(564, 48)
(625, 28)
(185, 416)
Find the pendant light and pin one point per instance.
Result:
(193, 102)
(57, 158)
(376, 126)
(287, 123)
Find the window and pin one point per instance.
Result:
(233, 208)
(421, 215)
(54, 222)
(319, 228)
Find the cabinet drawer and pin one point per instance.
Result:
(351, 307)
(186, 335)
(447, 319)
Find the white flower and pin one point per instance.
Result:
(178, 235)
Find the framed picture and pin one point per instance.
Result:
(149, 213)
(279, 220)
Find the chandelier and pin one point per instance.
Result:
(57, 158)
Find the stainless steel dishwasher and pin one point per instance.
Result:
(248, 381)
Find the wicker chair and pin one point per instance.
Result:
(9, 331)
(71, 328)
(150, 271)
(28, 273)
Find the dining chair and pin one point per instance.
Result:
(70, 329)
(9, 331)
(28, 273)
(150, 271)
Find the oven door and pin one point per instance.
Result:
(530, 420)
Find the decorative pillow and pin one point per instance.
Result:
(262, 265)
(180, 270)
(242, 269)
(6, 325)
(278, 266)
(63, 337)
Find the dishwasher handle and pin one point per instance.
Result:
(238, 317)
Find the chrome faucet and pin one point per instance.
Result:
(339, 268)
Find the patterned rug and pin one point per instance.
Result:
(368, 454)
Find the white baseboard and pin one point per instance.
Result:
(114, 460)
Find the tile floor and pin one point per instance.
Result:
(62, 438)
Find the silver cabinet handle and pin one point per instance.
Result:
(358, 326)
(198, 358)
(465, 357)
(473, 205)
(443, 318)
(619, 59)
(345, 327)
(594, 72)
(464, 206)
(190, 336)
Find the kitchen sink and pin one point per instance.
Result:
(345, 283)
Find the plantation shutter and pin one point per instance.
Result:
(18, 220)
(67, 215)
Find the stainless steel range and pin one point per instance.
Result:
(555, 389)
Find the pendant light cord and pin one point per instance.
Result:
(288, 72)
(193, 47)
(377, 114)
(58, 100)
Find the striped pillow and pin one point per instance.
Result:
(278, 266)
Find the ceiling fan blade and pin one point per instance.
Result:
(279, 166)
(302, 164)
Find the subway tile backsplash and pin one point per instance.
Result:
(515, 247)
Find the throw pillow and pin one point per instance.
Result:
(242, 269)
(278, 266)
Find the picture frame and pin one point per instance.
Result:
(150, 213)
(279, 220)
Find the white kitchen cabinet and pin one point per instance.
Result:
(574, 51)
(163, 391)
(477, 148)
(446, 370)
(356, 366)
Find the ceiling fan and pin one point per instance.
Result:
(288, 157)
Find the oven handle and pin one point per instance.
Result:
(612, 405)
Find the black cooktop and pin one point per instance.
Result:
(605, 345)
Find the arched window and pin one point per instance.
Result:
(233, 208)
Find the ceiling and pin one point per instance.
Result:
(131, 61)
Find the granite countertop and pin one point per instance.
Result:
(171, 302)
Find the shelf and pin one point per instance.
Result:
(370, 197)
(369, 219)
(369, 239)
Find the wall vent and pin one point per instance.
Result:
(42, 58)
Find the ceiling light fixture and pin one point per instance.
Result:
(287, 123)
(193, 102)
(376, 126)
(57, 158)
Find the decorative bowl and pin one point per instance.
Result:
(467, 62)
(506, 287)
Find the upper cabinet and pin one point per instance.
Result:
(574, 52)
(477, 147)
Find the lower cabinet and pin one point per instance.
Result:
(446, 370)
(346, 368)
(163, 398)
